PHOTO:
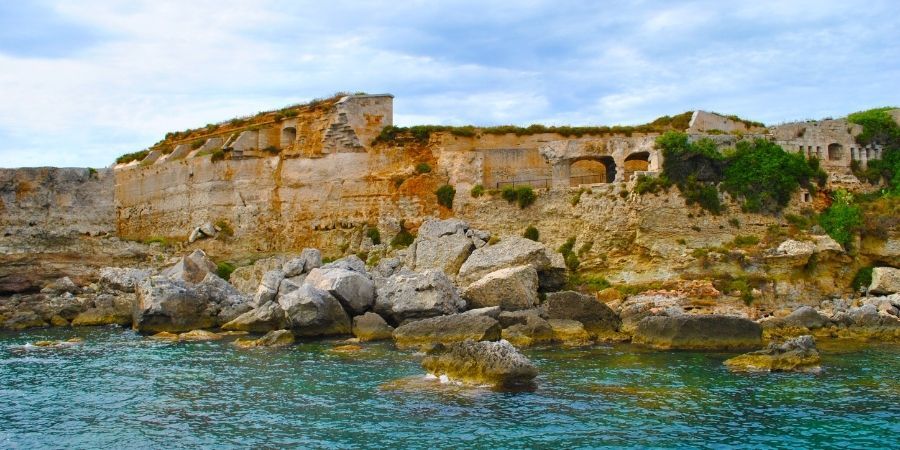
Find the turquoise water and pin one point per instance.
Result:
(119, 390)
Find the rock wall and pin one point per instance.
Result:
(57, 201)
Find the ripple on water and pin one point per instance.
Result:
(120, 387)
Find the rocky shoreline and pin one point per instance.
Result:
(448, 293)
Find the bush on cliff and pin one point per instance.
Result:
(523, 195)
(135, 156)
(477, 191)
(445, 196)
(880, 128)
(373, 234)
(224, 270)
(569, 255)
(842, 219)
(531, 233)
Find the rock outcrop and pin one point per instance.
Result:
(313, 312)
(795, 355)
(411, 295)
(354, 289)
(511, 251)
(599, 320)
(698, 332)
(511, 289)
(441, 244)
(445, 330)
(262, 319)
(165, 304)
(534, 330)
(496, 364)
(191, 268)
(885, 281)
(371, 327)
(276, 338)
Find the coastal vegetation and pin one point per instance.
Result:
(445, 195)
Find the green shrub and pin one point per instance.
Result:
(197, 143)
(567, 246)
(374, 235)
(650, 184)
(92, 172)
(135, 156)
(745, 240)
(862, 279)
(842, 219)
(798, 221)
(741, 285)
(525, 196)
(880, 128)
(509, 194)
(569, 256)
(445, 196)
(587, 282)
(734, 222)
(703, 194)
(217, 155)
(765, 176)
(585, 248)
(224, 270)
(531, 233)
(576, 199)
(403, 239)
(572, 261)
(423, 167)
(477, 191)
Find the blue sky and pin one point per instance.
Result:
(83, 82)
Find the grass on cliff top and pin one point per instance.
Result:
(422, 133)
(880, 128)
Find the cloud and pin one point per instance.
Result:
(84, 82)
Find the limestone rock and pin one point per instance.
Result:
(698, 332)
(164, 336)
(533, 331)
(371, 327)
(351, 262)
(446, 329)
(569, 332)
(191, 268)
(228, 301)
(510, 318)
(353, 289)
(637, 307)
(795, 355)
(791, 247)
(60, 286)
(598, 319)
(511, 289)
(885, 280)
(805, 317)
(495, 363)
(263, 319)
(268, 287)
(447, 253)
(313, 312)
(122, 279)
(511, 251)
(435, 228)
(199, 335)
(165, 304)
(309, 259)
(488, 311)
(246, 279)
(107, 309)
(410, 295)
(275, 338)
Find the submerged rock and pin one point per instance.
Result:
(277, 338)
(494, 363)
(199, 335)
(446, 329)
(511, 289)
(698, 332)
(371, 327)
(795, 355)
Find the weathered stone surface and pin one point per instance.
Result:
(410, 295)
(569, 332)
(447, 253)
(199, 335)
(446, 329)
(229, 302)
(435, 228)
(636, 307)
(795, 355)
(598, 319)
(477, 362)
(511, 289)
(806, 317)
(60, 286)
(165, 304)
(309, 259)
(268, 287)
(510, 318)
(191, 268)
(371, 327)
(511, 251)
(313, 312)
(353, 289)
(885, 280)
(263, 319)
(247, 279)
(122, 278)
(698, 332)
(488, 311)
(533, 331)
(275, 338)
(107, 309)
(351, 262)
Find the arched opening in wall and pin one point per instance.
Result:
(636, 162)
(835, 152)
(288, 136)
(592, 170)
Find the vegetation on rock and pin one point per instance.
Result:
(842, 219)
(531, 233)
(445, 196)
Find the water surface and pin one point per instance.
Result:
(120, 390)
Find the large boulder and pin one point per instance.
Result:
(409, 295)
(805, 317)
(246, 279)
(371, 327)
(494, 363)
(534, 330)
(441, 244)
(191, 268)
(446, 329)
(795, 355)
(122, 279)
(309, 259)
(353, 289)
(636, 307)
(698, 332)
(263, 319)
(598, 319)
(107, 309)
(511, 289)
(165, 304)
(268, 287)
(885, 281)
(313, 312)
(569, 332)
(511, 251)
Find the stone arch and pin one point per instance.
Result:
(636, 162)
(835, 152)
(288, 136)
(592, 170)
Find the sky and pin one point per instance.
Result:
(83, 82)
